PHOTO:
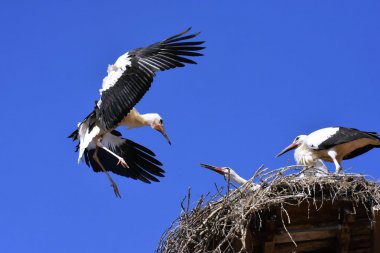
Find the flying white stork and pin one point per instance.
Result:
(332, 144)
(229, 173)
(128, 79)
(140, 163)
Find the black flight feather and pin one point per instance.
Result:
(118, 100)
(142, 164)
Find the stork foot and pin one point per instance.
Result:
(339, 171)
(122, 163)
(113, 184)
(115, 189)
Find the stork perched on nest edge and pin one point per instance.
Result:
(332, 144)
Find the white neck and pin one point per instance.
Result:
(134, 119)
(238, 179)
(149, 118)
(241, 181)
(304, 155)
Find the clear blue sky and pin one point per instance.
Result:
(271, 70)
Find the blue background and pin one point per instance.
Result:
(271, 70)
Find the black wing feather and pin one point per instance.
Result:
(122, 97)
(359, 151)
(345, 135)
(117, 101)
(140, 147)
(142, 164)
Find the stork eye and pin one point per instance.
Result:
(161, 121)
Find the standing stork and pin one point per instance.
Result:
(128, 79)
(229, 173)
(332, 144)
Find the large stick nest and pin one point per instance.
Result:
(217, 220)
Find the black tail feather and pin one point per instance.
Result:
(142, 165)
(74, 135)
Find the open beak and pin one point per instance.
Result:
(213, 168)
(288, 148)
(161, 129)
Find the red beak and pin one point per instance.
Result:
(161, 129)
(213, 168)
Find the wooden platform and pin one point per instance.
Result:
(341, 226)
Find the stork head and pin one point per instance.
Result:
(156, 122)
(224, 171)
(295, 144)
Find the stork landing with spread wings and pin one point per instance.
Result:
(128, 79)
(332, 144)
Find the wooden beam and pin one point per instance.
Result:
(248, 240)
(309, 234)
(345, 233)
(376, 229)
(344, 239)
(326, 246)
(268, 235)
(269, 247)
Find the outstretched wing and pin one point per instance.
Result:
(142, 164)
(132, 74)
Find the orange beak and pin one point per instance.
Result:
(161, 129)
(288, 148)
(213, 168)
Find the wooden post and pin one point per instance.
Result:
(376, 229)
(269, 231)
(248, 242)
(345, 233)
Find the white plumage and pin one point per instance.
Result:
(315, 139)
(332, 144)
(86, 137)
(115, 71)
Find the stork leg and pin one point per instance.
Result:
(115, 189)
(337, 162)
(121, 160)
